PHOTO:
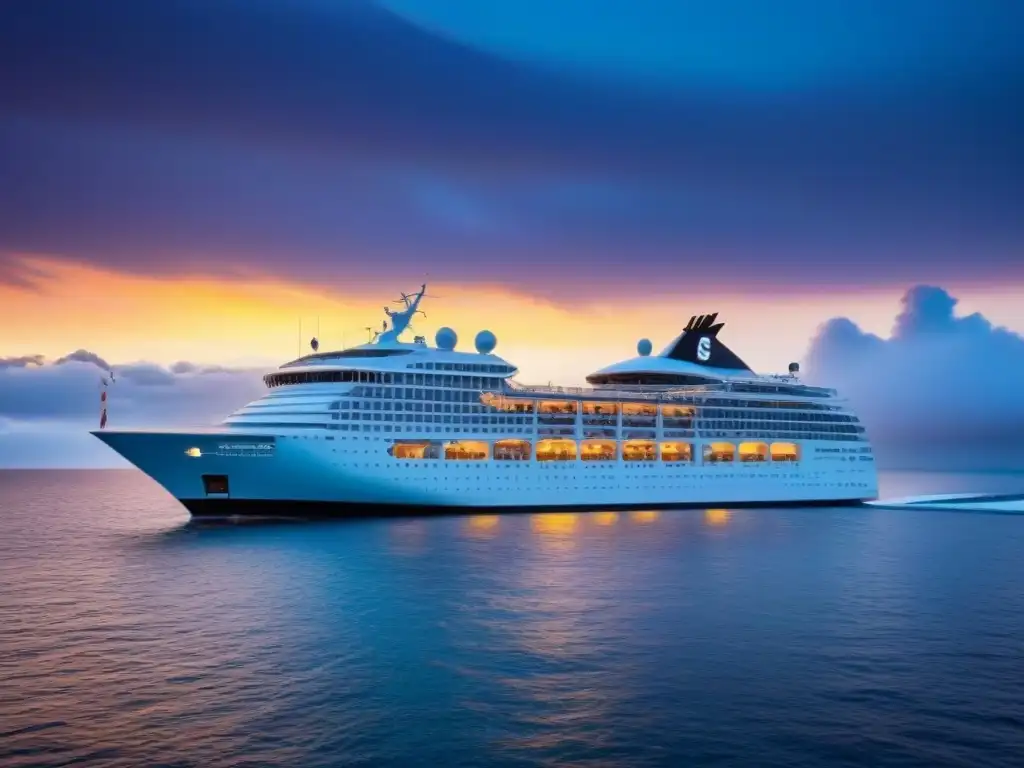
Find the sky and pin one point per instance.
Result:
(210, 182)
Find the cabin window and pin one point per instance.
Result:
(753, 451)
(591, 408)
(639, 409)
(556, 449)
(639, 450)
(716, 453)
(415, 449)
(785, 452)
(558, 406)
(466, 450)
(677, 411)
(674, 451)
(507, 404)
(512, 450)
(598, 450)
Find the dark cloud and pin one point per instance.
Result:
(84, 356)
(143, 394)
(46, 411)
(941, 386)
(21, 362)
(316, 140)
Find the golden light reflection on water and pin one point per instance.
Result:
(482, 526)
(606, 518)
(554, 523)
(556, 529)
(716, 517)
(644, 516)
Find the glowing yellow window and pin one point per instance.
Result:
(639, 450)
(598, 450)
(673, 451)
(466, 450)
(512, 450)
(753, 452)
(785, 452)
(415, 449)
(716, 453)
(556, 449)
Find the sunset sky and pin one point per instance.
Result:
(191, 180)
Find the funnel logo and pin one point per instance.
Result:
(704, 349)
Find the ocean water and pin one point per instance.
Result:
(768, 637)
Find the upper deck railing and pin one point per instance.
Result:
(767, 385)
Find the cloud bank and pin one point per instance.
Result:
(942, 389)
(48, 408)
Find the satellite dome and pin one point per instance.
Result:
(446, 338)
(486, 342)
(644, 347)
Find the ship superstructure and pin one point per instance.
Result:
(404, 426)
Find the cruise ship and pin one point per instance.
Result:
(395, 426)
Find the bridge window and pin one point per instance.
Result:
(753, 451)
(598, 450)
(785, 452)
(556, 449)
(716, 453)
(673, 451)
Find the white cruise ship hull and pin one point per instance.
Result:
(229, 472)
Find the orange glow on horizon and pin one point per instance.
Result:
(255, 320)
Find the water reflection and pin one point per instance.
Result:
(606, 518)
(644, 516)
(482, 526)
(716, 517)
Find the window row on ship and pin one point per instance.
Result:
(563, 449)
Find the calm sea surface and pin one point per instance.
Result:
(788, 637)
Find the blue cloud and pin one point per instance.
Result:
(940, 386)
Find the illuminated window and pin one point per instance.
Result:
(195, 453)
(639, 450)
(556, 449)
(715, 453)
(507, 404)
(639, 409)
(592, 408)
(785, 452)
(753, 452)
(558, 407)
(673, 451)
(598, 450)
(677, 411)
(466, 450)
(512, 450)
(415, 449)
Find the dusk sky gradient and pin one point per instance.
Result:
(186, 180)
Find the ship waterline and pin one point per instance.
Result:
(406, 427)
